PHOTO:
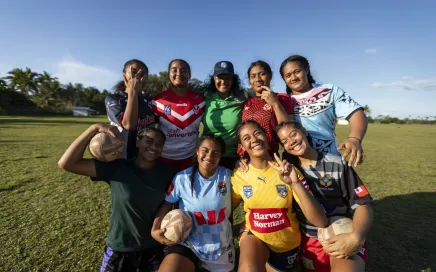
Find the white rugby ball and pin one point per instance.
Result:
(178, 225)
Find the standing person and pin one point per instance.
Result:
(179, 111)
(204, 191)
(267, 190)
(224, 99)
(338, 188)
(128, 109)
(266, 108)
(317, 107)
(137, 189)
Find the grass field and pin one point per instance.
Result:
(55, 221)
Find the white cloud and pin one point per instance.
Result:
(409, 83)
(370, 51)
(73, 71)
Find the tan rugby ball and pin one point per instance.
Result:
(178, 225)
(338, 225)
(105, 147)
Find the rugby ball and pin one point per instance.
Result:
(105, 147)
(177, 224)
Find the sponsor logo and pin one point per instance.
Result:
(170, 189)
(292, 258)
(178, 133)
(262, 179)
(361, 191)
(325, 180)
(268, 220)
(182, 105)
(282, 191)
(196, 109)
(248, 191)
(145, 122)
(167, 109)
(267, 107)
(222, 187)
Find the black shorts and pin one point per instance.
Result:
(284, 261)
(145, 260)
(185, 252)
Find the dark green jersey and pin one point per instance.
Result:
(136, 194)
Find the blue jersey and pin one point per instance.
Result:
(210, 209)
(318, 110)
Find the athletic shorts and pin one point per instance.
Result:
(145, 260)
(178, 165)
(283, 261)
(314, 257)
(225, 263)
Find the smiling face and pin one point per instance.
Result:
(150, 145)
(223, 83)
(253, 140)
(179, 74)
(295, 77)
(294, 140)
(208, 155)
(259, 77)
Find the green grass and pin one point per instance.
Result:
(55, 221)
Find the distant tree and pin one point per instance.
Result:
(24, 81)
(367, 110)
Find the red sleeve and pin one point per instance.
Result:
(286, 102)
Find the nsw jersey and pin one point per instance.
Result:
(258, 110)
(210, 206)
(318, 110)
(115, 108)
(335, 185)
(268, 206)
(179, 118)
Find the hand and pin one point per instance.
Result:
(112, 130)
(158, 235)
(286, 171)
(269, 96)
(343, 245)
(353, 148)
(136, 82)
(242, 165)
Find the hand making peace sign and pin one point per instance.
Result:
(135, 81)
(286, 171)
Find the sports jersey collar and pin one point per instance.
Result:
(212, 178)
(319, 157)
(216, 96)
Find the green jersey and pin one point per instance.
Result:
(136, 194)
(221, 118)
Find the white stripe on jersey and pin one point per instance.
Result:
(181, 118)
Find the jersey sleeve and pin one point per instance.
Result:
(114, 110)
(107, 170)
(345, 106)
(286, 102)
(236, 185)
(353, 189)
(173, 193)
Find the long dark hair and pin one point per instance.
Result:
(120, 86)
(200, 140)
(303, 63)
(289, 157)
(236, 89)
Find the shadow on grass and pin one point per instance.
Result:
(36, 120)
(403, 237)
(16, 186)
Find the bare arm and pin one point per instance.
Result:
(281, 114)
(353, 145)
(72, 160)
(362, 221)
(130, 118)
(311, 208)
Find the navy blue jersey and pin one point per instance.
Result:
(115, 108)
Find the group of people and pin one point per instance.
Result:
(167, 164)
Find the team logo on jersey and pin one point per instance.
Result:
(248, 191)
(262, 179)
(196, 109)
(292, 258)
(167, 109)
(325, 180)
(282, 190)
(222, 187)
(267, 107)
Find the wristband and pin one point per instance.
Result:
(360, 141)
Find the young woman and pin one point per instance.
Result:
(204, 191)
(267, 189)
(179, 111)
(318, 106)
(129, 109)
(340, 191)
(137, 188)
(266, 108)
(224, 100)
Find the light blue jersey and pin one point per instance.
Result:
(209, 207)
(318, 110)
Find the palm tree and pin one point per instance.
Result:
(3, 85)
(24, 81)
(45, 77)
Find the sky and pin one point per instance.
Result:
(382, 53)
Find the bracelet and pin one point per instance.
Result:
(360, 141)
